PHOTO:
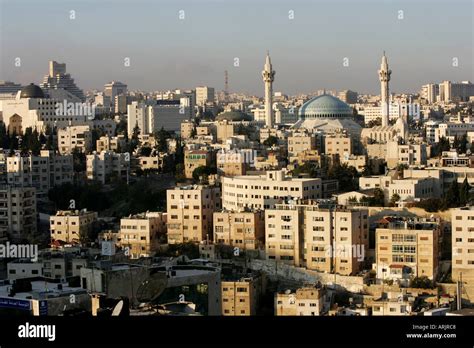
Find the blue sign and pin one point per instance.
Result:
(14, 303)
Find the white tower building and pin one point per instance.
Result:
(268, 76)
(384, 76)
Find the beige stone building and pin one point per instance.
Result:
(141, 233)
(306, 301)
(463, 248)
(105, 165)
(194, 159)
(245, 230)
(107, 143)
(17, 213)
(74, 137)
(232, 163)
(42, 172)
(338, 145)
(190, 212)
(71, 225)
(225, 130)
(264, 191)
(407, 248)
(301, 142)
(327, 240)
(187, 128)
(240, 297)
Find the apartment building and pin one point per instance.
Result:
(74, 137)
(141, 233)
(305, 301)
(107, 143)
(105, 165)
(301, 142)
(264, 191)
(331, 240)
(244, 229)
(407, 248)
(339, 144)
(408, 154)
(241, 295)
(42, 172)
(463, 246)
(72, 225)
(190, 212)
(194, 159)
(187, 129)
(17, 212)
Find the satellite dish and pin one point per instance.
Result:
(150, 289)
(117, 309)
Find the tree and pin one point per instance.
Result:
(145, 151)
(271, 141)
(379, 198)
(443, 145)
(464, 192)
(422, 282)
(161, 138)
(452, 196)
(395, 198)
(432, 205)
(202, 172)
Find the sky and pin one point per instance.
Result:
(308, 51)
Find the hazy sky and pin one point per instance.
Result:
(307, 51)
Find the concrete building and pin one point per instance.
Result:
(108, 143)
(463, 247)
(300, 142)
(17, 213)
(340, 145)
(187, 128)
(190, 212)
(326, 240)
(241, 295)
(455, 91)
(199, 284)
(264, 191)
(408, 154)
(42, 172)
(408, 189)
(71, 225)
(150, 117)
(305, 301)
(204, 95)
(348, 96)
(59, 79)
(407, 248)
(194, 159)
(245, 230)
(74, 137)
(106, 165)
(141, 233)
(114, 89)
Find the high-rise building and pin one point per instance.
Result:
(406, 248)
(332, 240)
(59, 79)
(456, 91)
(18, 218)
(463, 247)
(7, 87)
(114, 88)
(268, 75)
(348, 96)
(190, 210)
(244, 230)
(384, 76)
(204, 95)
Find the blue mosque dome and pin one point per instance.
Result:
(325, 106)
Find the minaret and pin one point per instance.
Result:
(268, 76)
(384, 76)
